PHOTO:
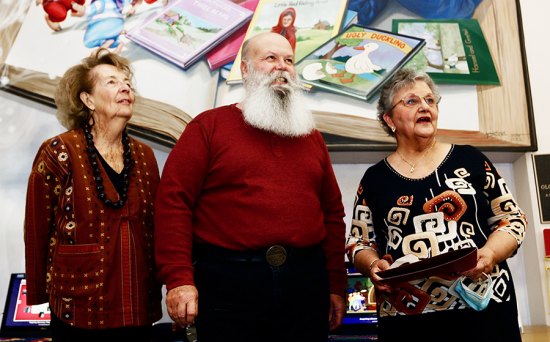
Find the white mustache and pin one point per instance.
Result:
(276, 106)
(269, 79)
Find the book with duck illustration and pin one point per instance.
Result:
(358, 61)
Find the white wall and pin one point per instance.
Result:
(535, 14)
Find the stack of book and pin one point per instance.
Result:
(333, 54)
(335, 58)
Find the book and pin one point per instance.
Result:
(358, 61)
(312, 23)
(226, 51)
(456, 50)
(448, 265)
(186, 30)
(350, 19)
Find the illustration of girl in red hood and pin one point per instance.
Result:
(285, 26)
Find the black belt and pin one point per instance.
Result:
(276, 255)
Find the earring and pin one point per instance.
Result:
(91, 120)
(393, 129)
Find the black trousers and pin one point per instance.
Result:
(242, 298)
(498, 322)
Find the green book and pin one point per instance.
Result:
(455, 52)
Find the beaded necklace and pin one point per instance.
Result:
(128, 162)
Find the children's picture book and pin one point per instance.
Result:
(350, 19)
(306, 24)
(358, 61)
(226, 51)
(185, 30)
(456, 50)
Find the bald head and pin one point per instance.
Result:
(267, 52)
(265, 39)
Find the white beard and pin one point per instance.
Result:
(276, 108)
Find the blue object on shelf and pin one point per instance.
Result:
(367, 9)
(441, 9)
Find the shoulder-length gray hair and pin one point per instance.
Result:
(71, 111)
(402, 79)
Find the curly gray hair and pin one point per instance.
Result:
(402, 79)
(71, 111)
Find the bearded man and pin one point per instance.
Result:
(249, 230)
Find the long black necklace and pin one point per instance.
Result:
(128, 162)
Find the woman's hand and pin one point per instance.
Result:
(499, 247)
(375, 267)
(368, 262)
(486, 261)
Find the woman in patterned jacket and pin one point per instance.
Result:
(425, 199)
(89, 212)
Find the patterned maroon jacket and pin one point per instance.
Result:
(92, 263)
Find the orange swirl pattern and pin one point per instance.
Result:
(450, 203)
(405, 200)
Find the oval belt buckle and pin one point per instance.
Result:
(275, 255)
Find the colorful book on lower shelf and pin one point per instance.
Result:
(186, 30)
(358, 61)
(306, 24)
(456, 50)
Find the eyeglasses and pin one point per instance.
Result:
(413, 101)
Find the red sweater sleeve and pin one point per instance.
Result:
(179, 189)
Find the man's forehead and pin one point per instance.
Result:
(272, 44)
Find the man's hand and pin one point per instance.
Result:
(336, 313)
(182, 304)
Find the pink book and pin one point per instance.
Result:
(227, 50)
